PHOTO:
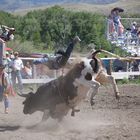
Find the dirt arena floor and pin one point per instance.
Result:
(107, 120)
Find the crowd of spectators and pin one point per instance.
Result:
(117, 31)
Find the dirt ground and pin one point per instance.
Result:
(107, 120)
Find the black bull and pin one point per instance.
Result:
(55, 95)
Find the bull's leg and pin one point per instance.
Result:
(46, 115)
(89, 94)
(73, 111)
(93, 84)
(115, 88)
(93, 91)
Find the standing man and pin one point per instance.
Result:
(61, 57)
(17, 66)
(4, 87)
(8, 70)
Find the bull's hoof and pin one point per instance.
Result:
(60, 119)
(117, 96)
(92, 102)
(86, 100)
(19, 93)
(76, 110)
(73, 113)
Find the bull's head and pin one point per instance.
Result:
(29, 104)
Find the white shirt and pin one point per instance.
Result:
(18, 64)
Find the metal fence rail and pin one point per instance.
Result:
(117, 75)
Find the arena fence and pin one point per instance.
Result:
(45, 77)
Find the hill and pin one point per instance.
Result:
(130, 7)
(13, 5)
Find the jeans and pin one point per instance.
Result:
(1, 92)
(17, 74)
(40, 61)
(6, 102)
(3, 97)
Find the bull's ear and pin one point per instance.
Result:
(88, 76)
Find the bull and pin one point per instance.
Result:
(59, 96)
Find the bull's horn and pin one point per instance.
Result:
(31, 88)
(22, 95)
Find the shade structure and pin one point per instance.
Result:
(8, 49)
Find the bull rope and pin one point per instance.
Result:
(58, 89)
(67, 102)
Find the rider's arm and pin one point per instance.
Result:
(40, 61)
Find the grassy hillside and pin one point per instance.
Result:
(12, 5)
(130, 7)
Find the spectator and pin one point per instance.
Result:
(138, 35)
(117, 20)
(111, 24)
(134, 28)
(8, 70)
(106, 63)
(4, 87)
(28, 70)
(12, 55)
(7, 33)
(135, 64)
(134, 32)
(61, 56)
(119, 65)
(8, 63)
(17, 66)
